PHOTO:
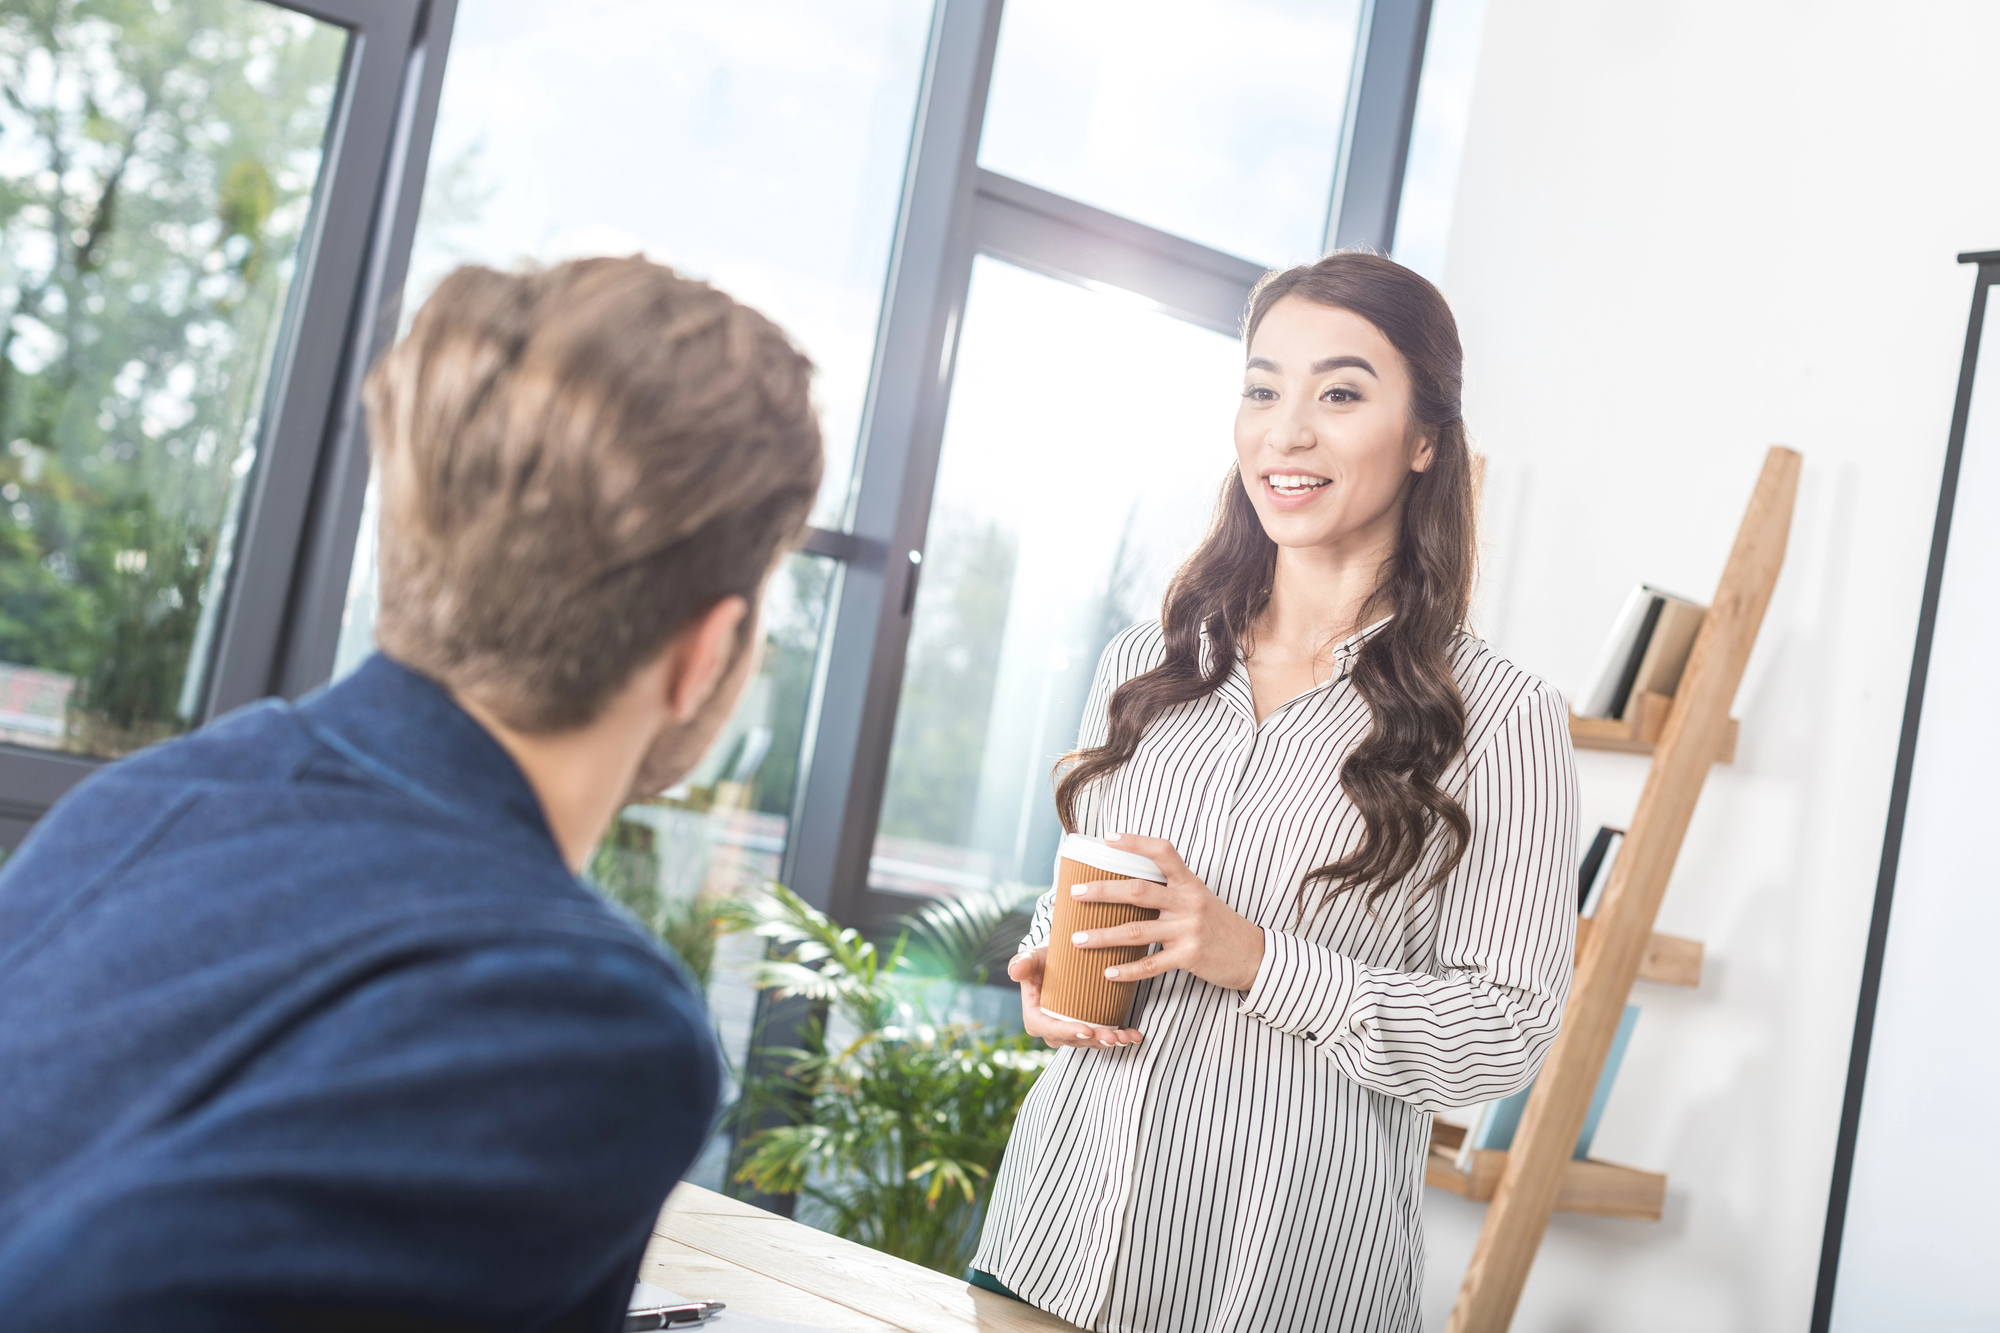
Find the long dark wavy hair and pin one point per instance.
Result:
(1403, 671)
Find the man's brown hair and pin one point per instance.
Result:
(575, 462)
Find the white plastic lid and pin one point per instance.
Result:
(1093, 852)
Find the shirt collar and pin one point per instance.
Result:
(1236, 687)
(405, 730)
(1350, 647)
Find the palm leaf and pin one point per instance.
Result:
(968, 939)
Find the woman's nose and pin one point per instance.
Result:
(1291, 433)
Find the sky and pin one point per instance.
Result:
(1217, 120)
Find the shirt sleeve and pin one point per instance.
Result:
(1476, 1026)
(1114, 667)
(478, 1139)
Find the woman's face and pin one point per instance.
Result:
(1324, 438)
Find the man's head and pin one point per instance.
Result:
(577, 466)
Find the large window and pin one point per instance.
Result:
(1086, 438)
(758, 144)
(1017, 247)
(682, 131)
(196, 223)
(157, 169)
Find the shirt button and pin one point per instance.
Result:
(1312, 1036)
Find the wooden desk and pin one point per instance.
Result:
(710, 1247)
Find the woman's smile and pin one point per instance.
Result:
(1288, 488)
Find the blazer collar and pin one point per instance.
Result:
(404, 729)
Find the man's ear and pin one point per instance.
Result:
(700, 654)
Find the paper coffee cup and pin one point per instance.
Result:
(1074, 987)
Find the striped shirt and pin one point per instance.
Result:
(1257, 1161)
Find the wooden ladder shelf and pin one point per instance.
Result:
(1692, 731)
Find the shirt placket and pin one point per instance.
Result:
(1214, 821)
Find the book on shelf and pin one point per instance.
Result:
(1645, 652)
(1497, 1122)
(1594, 872)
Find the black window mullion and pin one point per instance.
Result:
(1375, 142)
(30, 782)
(826, 859)
(311, 632)
(306, 374)
(1053, 234)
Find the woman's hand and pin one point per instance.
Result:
(1196, 931)
(1026, 968)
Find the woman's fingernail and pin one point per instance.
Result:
(1113, 837)
(1111, 972)
(1081, 937)
(1084, 1035)
(1078, 890)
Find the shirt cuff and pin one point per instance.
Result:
(1303, 989)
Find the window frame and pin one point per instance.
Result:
(953, 210)
(373, 159)
(300, 523)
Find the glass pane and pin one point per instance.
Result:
(759, 145)
(1086, 438)
(772, 137)
(721, 832)
(157, 165)
(1437, 135)
(1218, 120)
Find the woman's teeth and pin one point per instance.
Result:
(1293, 485)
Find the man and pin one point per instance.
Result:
(305, 1020)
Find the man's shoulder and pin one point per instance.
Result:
(125, 805)
(263, 741)
(243, 758)
(255, 817)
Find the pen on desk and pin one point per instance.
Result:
(670, 1316)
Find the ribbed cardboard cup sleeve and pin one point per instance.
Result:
(1074, 986)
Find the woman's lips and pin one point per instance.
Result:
(1291, 499)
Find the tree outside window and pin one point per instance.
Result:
(157, 166)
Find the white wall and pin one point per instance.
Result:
(1685, 231)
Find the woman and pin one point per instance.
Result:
(1368, 823)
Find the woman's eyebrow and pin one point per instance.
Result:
(1338, 362)
(1319, 367)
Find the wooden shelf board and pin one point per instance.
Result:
(1639, 730)
(1602, 1189)
(1669, 959)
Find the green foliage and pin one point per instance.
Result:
(792, 625)
(810, 957)
(948, 680)
(968, 940)
(626, 868)
(160, 168)
(907, 1119)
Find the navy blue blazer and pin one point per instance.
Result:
(304, 1024)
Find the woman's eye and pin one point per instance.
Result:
(1340, 394)
(1258, 393)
